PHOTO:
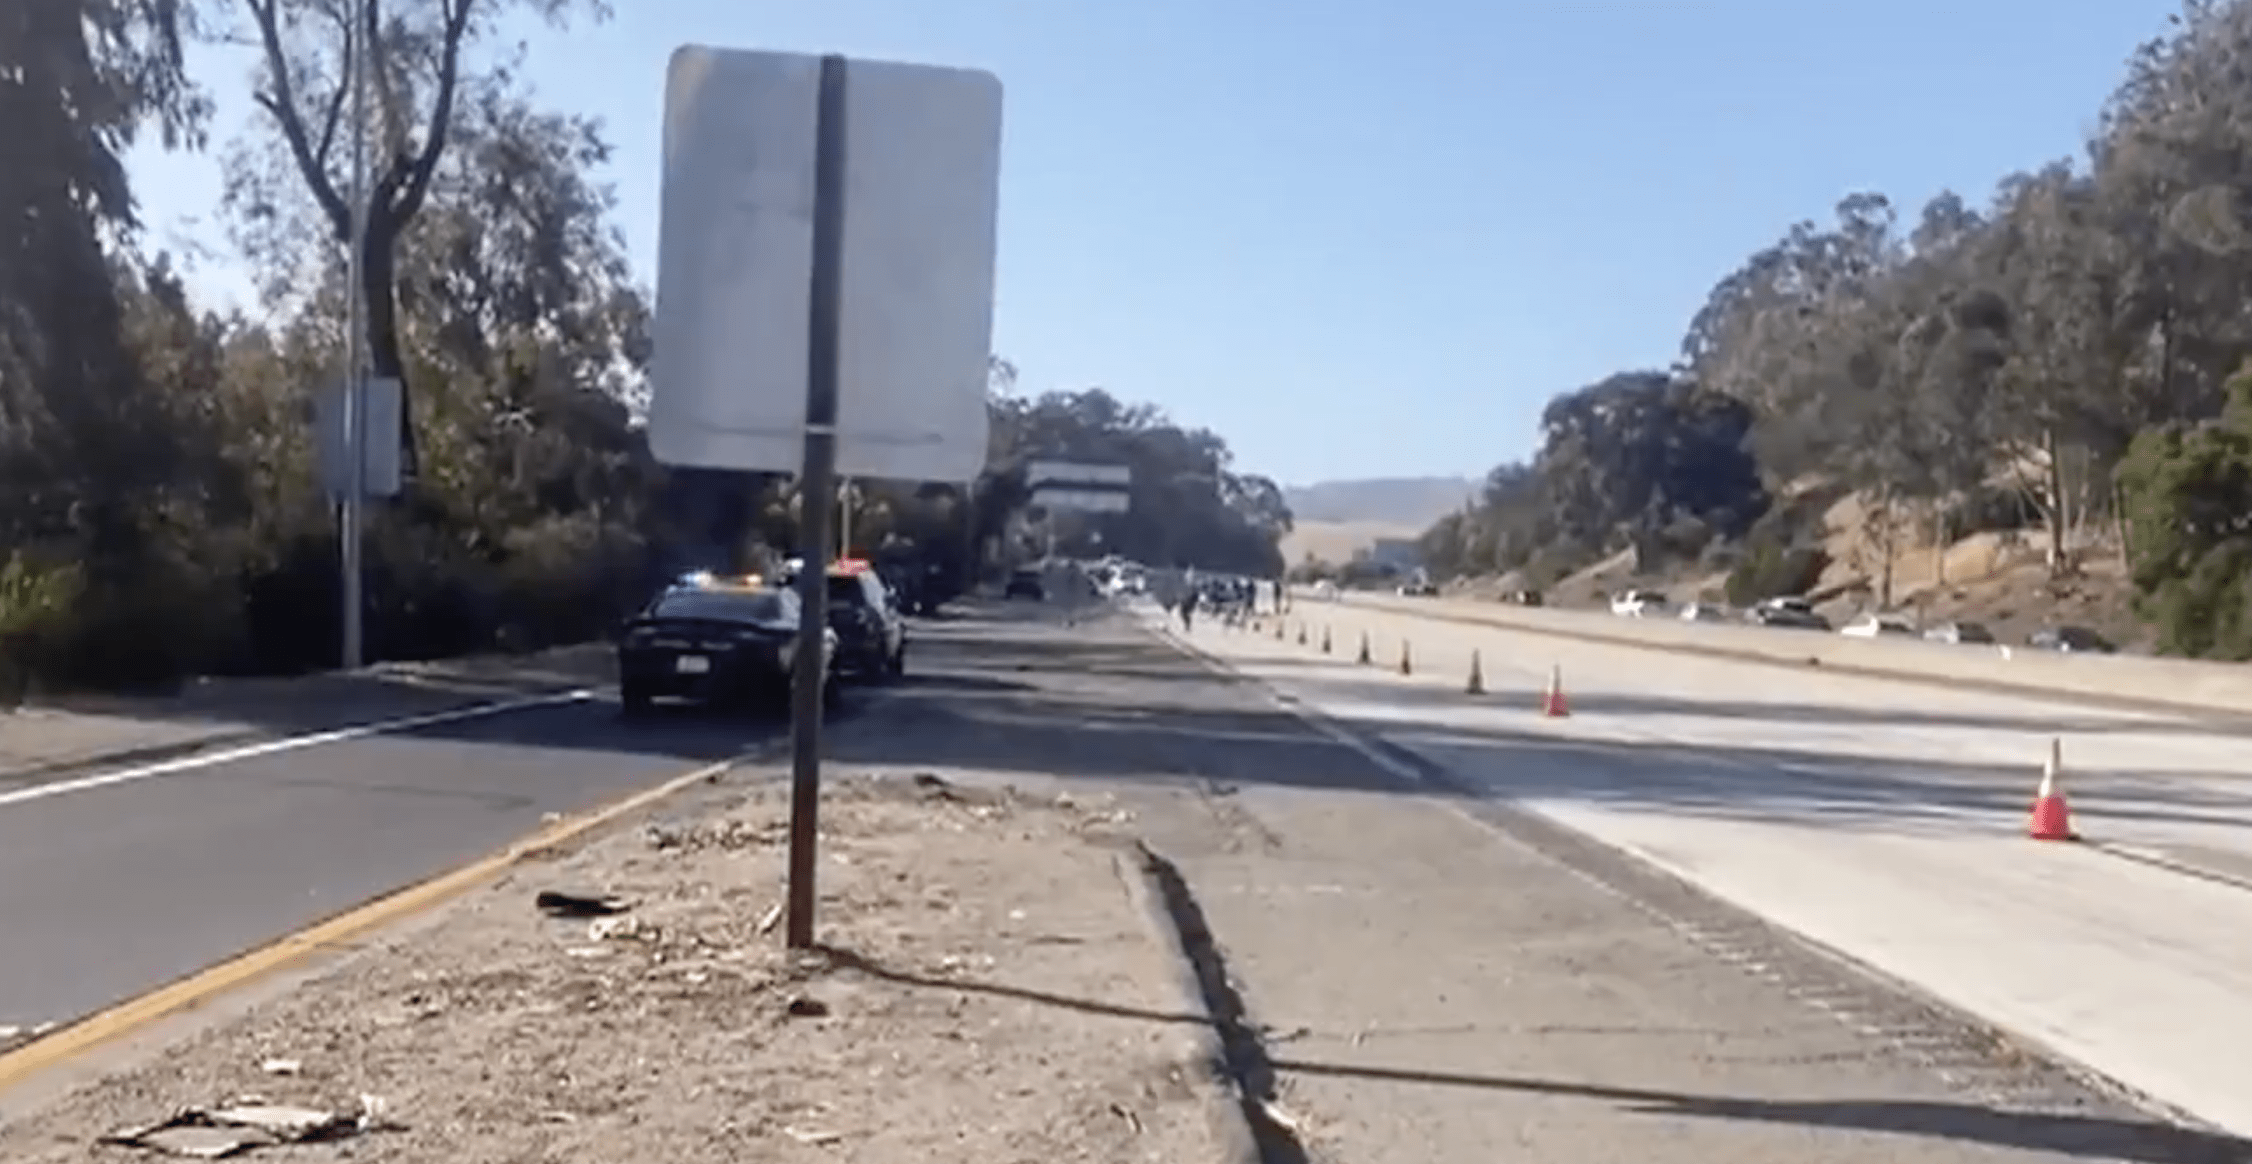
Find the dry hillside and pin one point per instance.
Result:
(1997, 578)
(1413, 502)
(1336, 542)
(1335, 520)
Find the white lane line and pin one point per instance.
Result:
(288, 744)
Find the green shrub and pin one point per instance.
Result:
(1770, 571)
(36, 603)
(566, 580)
(148, 628)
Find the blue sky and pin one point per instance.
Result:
(1373, 239)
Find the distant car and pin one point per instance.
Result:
(1705, 612)
(1524, 597)
(1960, 633)
(1639, 604)
(716, 641)
(1026, 584)
(1419, 588)
(1786, 614)
(871, 634)
(1873, 625)
(2072, 640)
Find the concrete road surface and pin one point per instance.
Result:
(1882, 818)
(1433, 979)
(111, 891)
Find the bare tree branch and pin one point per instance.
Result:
(441, 110)
(281, 102)
(389, 102)
(335, 115)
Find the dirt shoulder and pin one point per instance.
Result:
(993, 993)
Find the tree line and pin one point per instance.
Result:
(160, 512)
(2058, 358)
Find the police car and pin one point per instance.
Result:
(716, 639)
(864, 616)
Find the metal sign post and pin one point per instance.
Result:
(353, 516)
(818, 488)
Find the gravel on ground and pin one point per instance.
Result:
(988, 990)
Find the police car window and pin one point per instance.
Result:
(748, 606)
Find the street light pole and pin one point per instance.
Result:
(355, 326)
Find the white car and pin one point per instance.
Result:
(1870, 626)
(1706, 612)
(1639, 604)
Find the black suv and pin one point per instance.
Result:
(871, 633)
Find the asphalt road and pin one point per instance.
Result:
(1429, 975)
(111, 891)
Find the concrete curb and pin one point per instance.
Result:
(1202, 1054)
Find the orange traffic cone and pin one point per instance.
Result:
(1552, 702)
(1477, 684)
(2052, 818)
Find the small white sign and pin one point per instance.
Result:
(692, 664)
(1074, 473)
(1082, 500)
(735, 255)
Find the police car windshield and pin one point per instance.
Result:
(721, 605)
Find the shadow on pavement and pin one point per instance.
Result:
(843, 959)
(2136, 1141)
(2091, 1137)
(1017, 690)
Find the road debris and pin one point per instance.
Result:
(679, 1030)
(244, 1124)
(556, 903)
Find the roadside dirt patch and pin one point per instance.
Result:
(991, 993)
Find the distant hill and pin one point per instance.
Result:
(1404, 502)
